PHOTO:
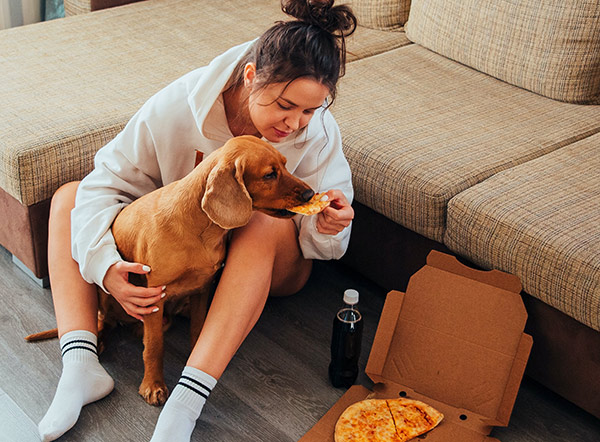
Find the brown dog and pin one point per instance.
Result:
(180, 231)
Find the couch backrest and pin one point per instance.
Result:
(380, 14)
(551, 47)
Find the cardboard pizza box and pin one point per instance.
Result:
(455, 341)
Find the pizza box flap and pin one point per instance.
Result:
(456, 337)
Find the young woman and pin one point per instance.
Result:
(275, 87)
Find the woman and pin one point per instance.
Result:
(275, 87)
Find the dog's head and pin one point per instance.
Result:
(250, 174)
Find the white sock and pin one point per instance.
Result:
(178, 417)
(83, 380)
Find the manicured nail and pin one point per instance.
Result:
(146, 268)
(163, 295)
(164, 288)
(155, 310)
(324, 198)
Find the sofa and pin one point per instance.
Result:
(471, 127)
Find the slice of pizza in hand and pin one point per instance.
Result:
(315, 205)
(391, 420)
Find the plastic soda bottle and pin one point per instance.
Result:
(345, 342)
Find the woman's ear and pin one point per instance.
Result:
(249, 74)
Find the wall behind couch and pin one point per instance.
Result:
(23, 12)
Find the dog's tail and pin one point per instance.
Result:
(48, 334)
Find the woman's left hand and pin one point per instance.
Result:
(337, 216)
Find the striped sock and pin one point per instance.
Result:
(178, 417)
(83, 380)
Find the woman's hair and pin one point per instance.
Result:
(313, 45)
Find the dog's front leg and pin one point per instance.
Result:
(153, 388)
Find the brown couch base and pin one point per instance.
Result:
(566, 354)
(24, 232)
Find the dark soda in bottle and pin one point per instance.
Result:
(345, 342)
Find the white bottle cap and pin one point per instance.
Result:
(351, 297)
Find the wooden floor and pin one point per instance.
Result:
(275, 388)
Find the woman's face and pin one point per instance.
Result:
(280, 109)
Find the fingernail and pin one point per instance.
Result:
(164, 288)
(324, 198)
(146, 268)
(155, 310)
(163, 295)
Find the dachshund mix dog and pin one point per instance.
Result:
(180, 231)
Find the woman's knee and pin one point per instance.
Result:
(63, 199)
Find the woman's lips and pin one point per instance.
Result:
(280, 133)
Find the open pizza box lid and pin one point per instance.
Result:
(455, 341)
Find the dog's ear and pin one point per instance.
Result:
(226, 201)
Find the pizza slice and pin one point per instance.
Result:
(413, 418)
(390, 420)
(313, 206)
(368, 420)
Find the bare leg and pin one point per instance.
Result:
(83, 380)
(75, 300)
(263, 257)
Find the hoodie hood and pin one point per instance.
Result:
(214, 78)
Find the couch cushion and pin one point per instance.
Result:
(551, 47)
(541, 222)
(381, 14)
(70, 85)
(419, 128)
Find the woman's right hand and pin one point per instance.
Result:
(136, 301)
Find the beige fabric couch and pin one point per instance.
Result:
(474, 132)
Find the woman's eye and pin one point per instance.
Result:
(283, 107)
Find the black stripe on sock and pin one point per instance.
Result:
(200, 384)
(80, 341)
(205, 396)
(81, 347)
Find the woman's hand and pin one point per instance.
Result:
(136, 301)
(337, 216)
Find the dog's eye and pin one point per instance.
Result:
(271, 175)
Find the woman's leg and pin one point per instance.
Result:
(83, 380)
(75, 300)
(263, 257)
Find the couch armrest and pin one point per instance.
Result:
(74, 7)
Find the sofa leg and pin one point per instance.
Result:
(42, 282)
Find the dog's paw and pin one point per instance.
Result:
(154, 393)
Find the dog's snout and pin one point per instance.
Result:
(307, 194)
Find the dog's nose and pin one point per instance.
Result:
(307, 194)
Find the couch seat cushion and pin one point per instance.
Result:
(541, 222)
(70, 85)
(419, 128)
(551, 47)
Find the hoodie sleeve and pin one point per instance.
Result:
(324, 167)
(117, 180)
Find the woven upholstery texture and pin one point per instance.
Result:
(70, 85)
(551, 47)
(419, 128)
(540, 222)
(381, 14)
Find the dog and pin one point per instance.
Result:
(180, 231)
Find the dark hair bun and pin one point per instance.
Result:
(334, 19)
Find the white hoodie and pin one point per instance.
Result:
(157, 147)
